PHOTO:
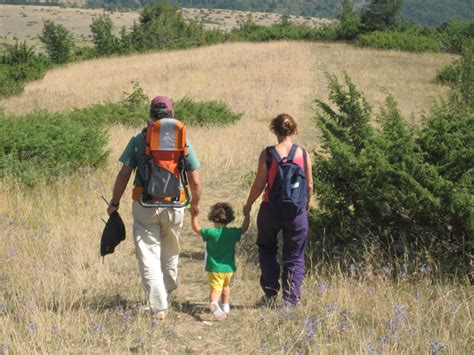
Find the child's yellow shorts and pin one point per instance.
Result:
(219, 280)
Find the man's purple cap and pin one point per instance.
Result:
(162, 100)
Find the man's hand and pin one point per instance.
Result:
(112, 209)
(119, 187)
(194, 178)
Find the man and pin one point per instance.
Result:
(156, 230)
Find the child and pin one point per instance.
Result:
(220, 250)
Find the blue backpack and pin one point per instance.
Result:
(288, 195)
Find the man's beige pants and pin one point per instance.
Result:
(156, 236)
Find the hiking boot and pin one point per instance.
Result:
(268, 301)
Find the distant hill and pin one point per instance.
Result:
(423, 12)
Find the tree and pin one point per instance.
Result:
(58, 41)
(381, 15)
(104, 40)
(349, 22)
(399, 191)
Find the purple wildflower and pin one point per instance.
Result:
(386, 271)
(370, 349)
(323, 287)
(353, 270)
(127, 317)
(399, 311)
(311, 324)
(97, 327)
(32, 327)
(343, 320)
(425, 270)
(3, 309)
(4, 349)
(285, 313)
(436, 347)
(330, 307)
(54, 329)
(263, 345)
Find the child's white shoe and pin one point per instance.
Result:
(217, 311)
(226, 308)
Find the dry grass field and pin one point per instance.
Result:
(25, 23)
(58, 297)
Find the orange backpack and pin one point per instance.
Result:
(165, 182)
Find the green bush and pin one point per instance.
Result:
(204, 113)
(448, 75)
(349, 25)
(42, 145)
(18, 65)
(456, 35)
(134, 110)
(58, 40)
(404, 41)
(400, 192)
(102, 35)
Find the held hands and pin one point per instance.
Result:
(194, 209)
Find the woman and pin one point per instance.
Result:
(270, 222)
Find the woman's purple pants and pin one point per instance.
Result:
(295, 235)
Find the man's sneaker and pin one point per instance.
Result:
(161, 315)
(217, 311)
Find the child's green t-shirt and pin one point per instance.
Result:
(220, 248)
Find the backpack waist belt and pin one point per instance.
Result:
(137, 193)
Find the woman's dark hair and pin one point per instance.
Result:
(284, 125)
(221, 213)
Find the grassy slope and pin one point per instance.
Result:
(57, 296)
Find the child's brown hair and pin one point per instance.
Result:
(221, 213)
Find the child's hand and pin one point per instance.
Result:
(246, 210)
(195, 225)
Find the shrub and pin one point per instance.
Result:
(58, 41)
(134, 110)
(204, 113)
(400, 192)
(448, 75)
(349, 24)
(456, 35)
(18, 65)
(102, 35)
(381, 15)
(42, 145)
(404, 41)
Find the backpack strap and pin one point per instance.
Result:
(268, 158)
(275, 154)
(292, 153)
(305, 158)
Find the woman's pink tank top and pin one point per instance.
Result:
(273, 171)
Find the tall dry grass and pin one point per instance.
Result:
(57, 296)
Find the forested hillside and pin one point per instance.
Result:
(425, 12)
